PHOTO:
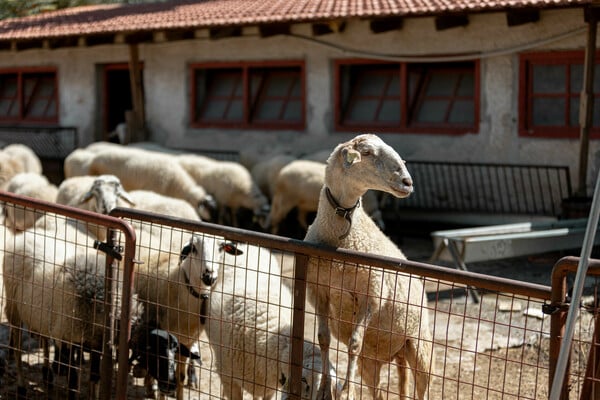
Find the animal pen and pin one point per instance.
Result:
(503, 347)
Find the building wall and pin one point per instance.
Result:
(167, 87)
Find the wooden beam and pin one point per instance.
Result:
(381, 25)
(522, 16)
(273, 30)
(451, 21)
(137, 131)
(225, 32)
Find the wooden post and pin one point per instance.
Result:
(137, 95)
(586, 105)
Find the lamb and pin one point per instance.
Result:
(174, 293)
(31, 184)
(249, 326)
(26, 157)
(230, 183)
(140, 169)
(388, 323)
(54, 283)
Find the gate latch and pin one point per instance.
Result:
(112, 251)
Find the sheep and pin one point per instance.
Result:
(148, 200)
(9, 167)
(249, 323)
(265, 172)
(142, 169)
(174, 293)
(230, 183)
(77, 163)
(298, 184)
(93, 193)
(388, 323)
(31, 184)
(55, 284)
(29, 161)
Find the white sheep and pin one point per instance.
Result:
(29, 161)
(298, 185)
(174, 290)
(93, 193)
(380, 316)
(146, 170)
(9, 167)
(265, 172)
(31, 184)
(229, 182)
(151, 201)
(77, 163)
(55, 284)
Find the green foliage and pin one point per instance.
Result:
(22, 8)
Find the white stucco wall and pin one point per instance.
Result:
(167, 86)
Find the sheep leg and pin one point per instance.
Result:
(403, 382)
(418, 355)
(370, 370)
(232, 389)
(355, 344)
(180, 375)
(16, 341)
(47, 374)
(324, 336)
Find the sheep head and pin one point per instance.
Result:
(366, 162)
(199, 265)
(106, 191)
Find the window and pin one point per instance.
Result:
(550, 86)
(407, 97)
(28, 96)
(249, 95)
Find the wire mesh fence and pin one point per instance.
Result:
(238, 311)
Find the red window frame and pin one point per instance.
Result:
(251, 101)
(24, 101)
(409, 102)
(527, 63)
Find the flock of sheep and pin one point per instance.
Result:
(231, 291)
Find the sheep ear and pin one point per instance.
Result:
(231, 248)
(350, 156)
(86, 197)
(125, 196)
(185, 251)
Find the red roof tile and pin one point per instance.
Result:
(187, 14)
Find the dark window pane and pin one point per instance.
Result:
(219, 95)
(277, 95)
(574, 112)
(549, 111)
(433, 111)
(549, 79)
(390, 111)
(373, 84)
(462, 112)
(293, 111)
(441, 84)
(363, 110)
(269, 110)
(467, 85)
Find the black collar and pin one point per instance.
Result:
(197, 295)
(345, 213)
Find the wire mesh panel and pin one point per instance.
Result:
(61, 298)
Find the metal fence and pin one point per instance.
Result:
(499, 348)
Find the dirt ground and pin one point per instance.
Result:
(482, 351)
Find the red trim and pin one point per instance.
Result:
(405, 125)
(526, 63)
(20, 100)
(248, 121)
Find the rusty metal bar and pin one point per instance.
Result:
(296, 358)
(130, 240)
(563, 267)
